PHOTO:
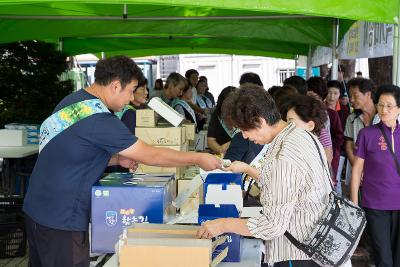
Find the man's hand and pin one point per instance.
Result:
(208, 162)
(127, 163)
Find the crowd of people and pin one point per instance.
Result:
(276, 136)
(348, 118)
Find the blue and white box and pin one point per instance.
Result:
(32, 131)
(233, 241)
(120, 200)
(224, 188)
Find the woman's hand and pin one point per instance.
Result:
(212, 228)
(237, 166)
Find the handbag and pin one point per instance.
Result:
(336, 236)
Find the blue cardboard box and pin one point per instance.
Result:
(120, 200)
(222, 178)
(233, 241)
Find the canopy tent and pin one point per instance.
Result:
(263, 27)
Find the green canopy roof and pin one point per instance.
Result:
(275, 28)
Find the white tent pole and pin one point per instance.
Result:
(60, 44)
(309, 62)
(103, 55)
(396, 47)
(335, 45)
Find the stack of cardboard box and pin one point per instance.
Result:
(162, 135)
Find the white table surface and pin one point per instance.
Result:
(251, 255)
(18, 151)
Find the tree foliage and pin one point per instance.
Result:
(30, 87)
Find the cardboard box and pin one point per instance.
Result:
(184, 147)
(184, 183)
(190, 131)
(192, 204)
(178, 171)
(154, 245)
(233, 241)
(12, 137)
(119, 202)
(200, 142)
(224, 188)
(164, 110)
(145, 118)
(162, 136)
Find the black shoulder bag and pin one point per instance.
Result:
(336, 236)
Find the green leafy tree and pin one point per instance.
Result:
(30, 87)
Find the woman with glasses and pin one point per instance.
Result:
(376, 165)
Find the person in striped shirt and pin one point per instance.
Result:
(294, 186)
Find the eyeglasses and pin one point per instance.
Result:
(382, 106)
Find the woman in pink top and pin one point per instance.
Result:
(309, 113)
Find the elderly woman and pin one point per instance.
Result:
(294, 184)
(375, 163)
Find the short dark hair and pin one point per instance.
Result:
(317, 85)
(297, 82)
(308, 109)
(222, 97)
(335, 84)
(245, 107)
(250, 77)
(174, 78)
(389, 89)
(281, 96)
(119, 68)
(364, 85)
(144, 82)
(358, 73)
(189, 73)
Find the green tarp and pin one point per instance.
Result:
(167, 27)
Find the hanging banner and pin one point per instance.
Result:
(322, 55)
(367, 40)
(363, 40)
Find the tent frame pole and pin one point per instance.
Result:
(151, 18)
(335, 45)
(396, 48)
(309, 62)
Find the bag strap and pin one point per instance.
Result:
(322, 161)
(288, 235)
(68, 116)
(391, 150)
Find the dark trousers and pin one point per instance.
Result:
(293, 264)
(383, 227)
(56, 248)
